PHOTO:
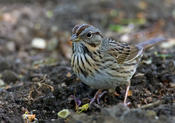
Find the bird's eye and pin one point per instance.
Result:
(89, 35)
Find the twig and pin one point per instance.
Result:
(152, 104)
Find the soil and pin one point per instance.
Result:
(40, 80)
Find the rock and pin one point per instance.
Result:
(168, 44)
(11, 46)
(135, 116)
(9, 76)
(166, 109)
(125, 38)
(84, 118)
(115, 111)
(38, 43)
(142, 116)
(1, 83)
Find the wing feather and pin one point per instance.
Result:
(123, 52)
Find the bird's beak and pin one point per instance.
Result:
(75, 38)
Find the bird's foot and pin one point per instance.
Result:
(77, 101)
(127, 104)
(97, 96)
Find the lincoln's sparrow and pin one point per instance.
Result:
(104, 63)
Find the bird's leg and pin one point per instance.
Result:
(126, 93)
(77, 102)
(100, 95)
(97, 96)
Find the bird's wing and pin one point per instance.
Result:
(123, 52)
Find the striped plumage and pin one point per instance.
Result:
(101, 62)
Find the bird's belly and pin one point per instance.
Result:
(105, 81)
(99, 81)
(110, 78)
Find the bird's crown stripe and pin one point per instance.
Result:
(81, 28)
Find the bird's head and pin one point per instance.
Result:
(86, 35)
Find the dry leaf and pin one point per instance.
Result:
(68, 75)
(129, 93)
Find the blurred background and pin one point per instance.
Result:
(35, 48)
(31, 30)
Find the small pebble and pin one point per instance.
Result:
(1, 83)
(68, 75)
(168, 44)
(39, 43)
(11, 46)
(171, 66)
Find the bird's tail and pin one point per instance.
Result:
(149, 43)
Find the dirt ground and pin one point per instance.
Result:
(39, 80)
